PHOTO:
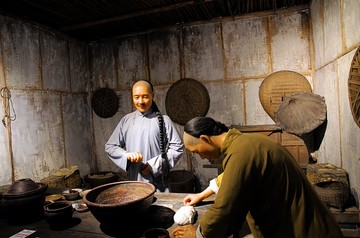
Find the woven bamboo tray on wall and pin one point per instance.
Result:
(354, 87)
(186, 98)
(279, 85)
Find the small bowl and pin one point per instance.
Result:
(58, 214)
(80, 207)
(72, 194)
(53, 197)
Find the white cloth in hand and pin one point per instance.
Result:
(185, 215)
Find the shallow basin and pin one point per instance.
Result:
(122, 202)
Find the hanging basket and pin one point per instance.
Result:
(301, 113)
(186, 98)
(105, 102)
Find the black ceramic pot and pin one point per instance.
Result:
(23, 188)
(3, 188)
(58, 214)
(23, 201)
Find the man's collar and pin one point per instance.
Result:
(147, 113)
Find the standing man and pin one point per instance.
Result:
(145, 143)
(260, 178)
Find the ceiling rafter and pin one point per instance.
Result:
(94, 20)
(135, 14)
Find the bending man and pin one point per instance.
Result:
(260, 178)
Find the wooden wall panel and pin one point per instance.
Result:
(132, 61)
(54, 62)
(79, 67)
(21, 54)
(38, 139)
(254, 112)
(246, 48)
(203, 54)
(226, 102)
(290, 45)
(327, 87)
(349, 23)
(103, 66)
(78, 138)
(5, 158)
(164, 57)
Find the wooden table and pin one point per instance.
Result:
(84, 224)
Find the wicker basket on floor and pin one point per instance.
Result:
(333, 193)
(322, 172)
(73, 180)
(54, 181)
(71, 176)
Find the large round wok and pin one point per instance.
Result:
(122, 202)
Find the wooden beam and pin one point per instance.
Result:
(44, 8)
(134, 14)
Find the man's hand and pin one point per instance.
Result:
(192, 199)
(188, 231)
(134, 156)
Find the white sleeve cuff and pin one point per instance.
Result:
(213, 186)
(198, 232)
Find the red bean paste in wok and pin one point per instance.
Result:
(122, 194)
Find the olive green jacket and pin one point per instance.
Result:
(262, 178)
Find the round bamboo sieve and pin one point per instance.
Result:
(279, 85)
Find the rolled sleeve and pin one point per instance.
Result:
(198, 232)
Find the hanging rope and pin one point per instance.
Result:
(8, 106)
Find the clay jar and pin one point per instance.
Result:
(23, 201)
(58, 214)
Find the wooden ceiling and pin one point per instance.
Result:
(91, 20)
